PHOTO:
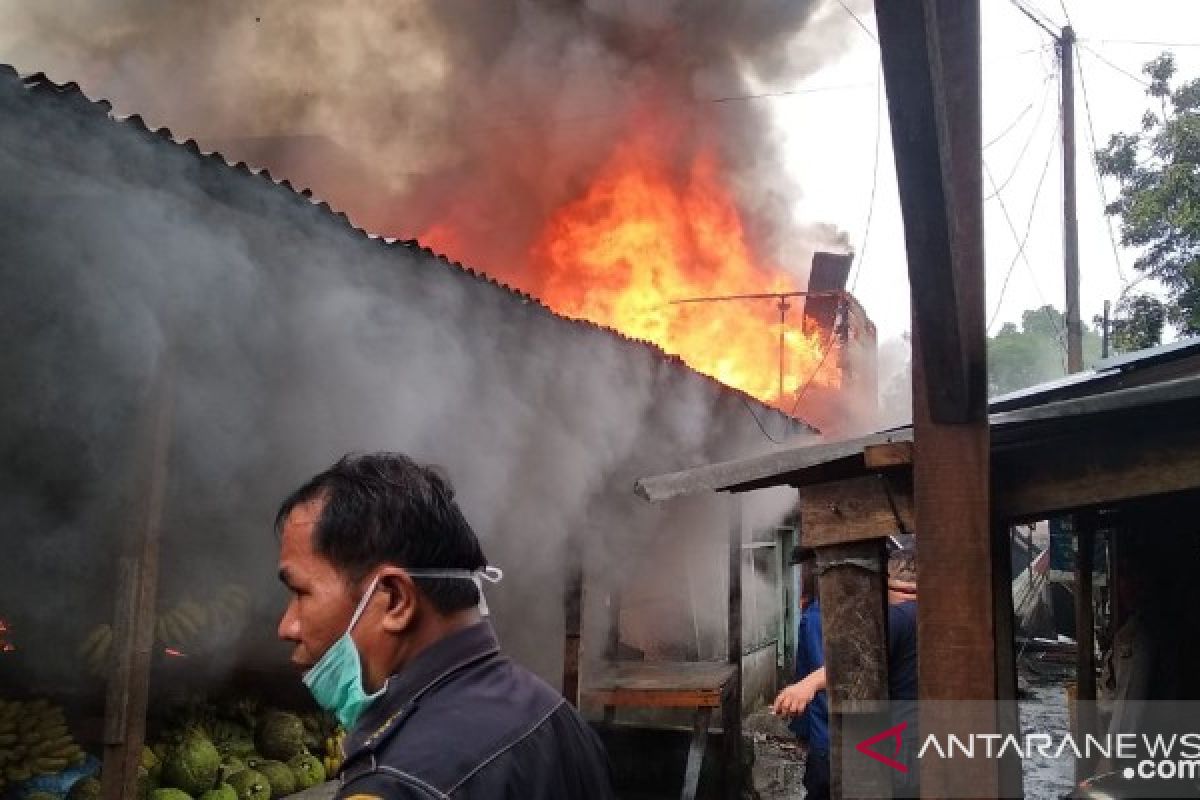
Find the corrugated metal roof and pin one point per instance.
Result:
(72, 94)
(819, 463)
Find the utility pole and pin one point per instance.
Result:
(1104, 341)
(1066, 49)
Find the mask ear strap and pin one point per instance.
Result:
(362, 604)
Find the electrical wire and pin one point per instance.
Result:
(1112, 239)
(1044, 23)
(1009, 128)
(1147, 43)
(1023, 241)
(1139, 81)
(866, 30)
(861, 255)
(757, 421)
(824, 355)
(1028, 141)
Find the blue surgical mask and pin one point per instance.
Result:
(336, 680)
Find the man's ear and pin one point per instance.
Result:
(403, 603)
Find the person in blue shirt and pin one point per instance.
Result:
(806, 700)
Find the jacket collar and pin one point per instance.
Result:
(404, 689)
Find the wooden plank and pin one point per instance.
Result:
(732, 708)
(133, 625)
(654, 698)
(853, 596)
(1086, 470)
(867, 507)
(653, 675)
(883, 456)
(573, 621)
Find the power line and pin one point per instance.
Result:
(828, 348)
(1146, 43)
(1012, 125)
(757, 421)
(1022, 241)
(1140, 82)
(862, 249)
(866, 30)
(1028, 141)
(1044, 24)
(1112, 239)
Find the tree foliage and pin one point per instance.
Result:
(1035, 352)
(1158, 169)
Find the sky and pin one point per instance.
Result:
(1019, 78)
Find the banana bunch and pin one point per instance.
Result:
(333, 752)
(95, 648)
(181, 626)
(34, 740)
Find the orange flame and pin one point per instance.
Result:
(639, 238)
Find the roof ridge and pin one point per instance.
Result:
(40, 81)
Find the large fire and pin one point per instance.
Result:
(642, 237)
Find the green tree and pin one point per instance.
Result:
(1159, 202)
(1035, 352)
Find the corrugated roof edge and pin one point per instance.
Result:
(39, 81)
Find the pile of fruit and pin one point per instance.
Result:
(202, 752)
(34, 740)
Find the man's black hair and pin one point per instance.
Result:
(384, 508)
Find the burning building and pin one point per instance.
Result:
(186, 339)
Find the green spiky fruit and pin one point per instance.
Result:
(192, 765)
(280, 735)
(169, 794)
(85, 789)
(250, 784)
(308, 771)
(279, 775)
(223, 792)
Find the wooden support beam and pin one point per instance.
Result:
(931, 63)
(853, 596)
(1011, 779)
(856, 509)
(1084, 471)
(137, 584)
(891, 454)
(1085, 641)
(731, 711)
(573, 621)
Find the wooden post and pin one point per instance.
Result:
(133, 626)
(1085, 643)
(731, 710)
(1008, 720)
(573, 621)
(853, 595)
(931, 62)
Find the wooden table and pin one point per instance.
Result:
(701, 686)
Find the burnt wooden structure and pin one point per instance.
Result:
(1074, 447)
(700, 687)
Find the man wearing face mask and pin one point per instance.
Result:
(386, 617)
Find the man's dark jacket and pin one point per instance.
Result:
(463, 721)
